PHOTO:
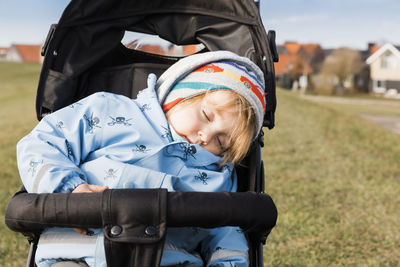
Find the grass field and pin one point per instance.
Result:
(18, 84)
(335, 179)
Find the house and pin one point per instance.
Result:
(3, 53)
(24, 53)
(385, 69)
(297, 62)
(148, 48)
(361, 81)
(163, 48)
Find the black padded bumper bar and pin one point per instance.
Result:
(134, 221)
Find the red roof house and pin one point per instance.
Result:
(25, 53)
(299, 59)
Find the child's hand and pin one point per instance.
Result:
(87, 188)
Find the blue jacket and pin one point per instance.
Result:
(109, 139)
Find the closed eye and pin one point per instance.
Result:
(221, 146)
(205, 115)
(219, 143)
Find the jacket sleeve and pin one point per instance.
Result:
(48, 158)
(225, 247)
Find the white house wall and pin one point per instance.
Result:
(379, 73)
(13, 55)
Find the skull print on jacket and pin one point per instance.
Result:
(109, 139)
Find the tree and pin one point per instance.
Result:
(343, 64)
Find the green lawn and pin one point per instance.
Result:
(334, 177)
(18, 84)
(361, 105)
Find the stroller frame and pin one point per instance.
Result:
(83, 54)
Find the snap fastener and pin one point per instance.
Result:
(115, 230)
(150, 231)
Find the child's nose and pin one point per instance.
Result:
(205, 136)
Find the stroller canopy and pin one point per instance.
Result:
(89, 33)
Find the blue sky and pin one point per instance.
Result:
(332, 23)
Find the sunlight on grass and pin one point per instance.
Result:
(17, 118)
(359, 105)
(335, 180)
(334, 177)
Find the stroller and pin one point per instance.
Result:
(83, 55)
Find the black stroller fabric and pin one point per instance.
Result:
(83, 55)
(88, 38)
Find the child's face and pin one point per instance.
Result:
(200, 123)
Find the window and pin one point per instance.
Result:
(389, 61)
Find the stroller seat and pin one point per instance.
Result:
(83, 55)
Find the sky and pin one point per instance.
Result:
(331, 23)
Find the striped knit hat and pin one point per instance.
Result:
(196, 74)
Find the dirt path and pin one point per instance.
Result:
(353, 101)
(387, 121)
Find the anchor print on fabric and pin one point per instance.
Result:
(110, 174)
(145, 107)
(188, 149)
(33, 165)
(225, 167)
(119, 121)
(202, 177)
(92, 122)
(60, 125)
(141, 148)
(166, 133)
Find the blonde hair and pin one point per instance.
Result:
(246, 125)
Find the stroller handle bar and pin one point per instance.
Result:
(141, 215)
